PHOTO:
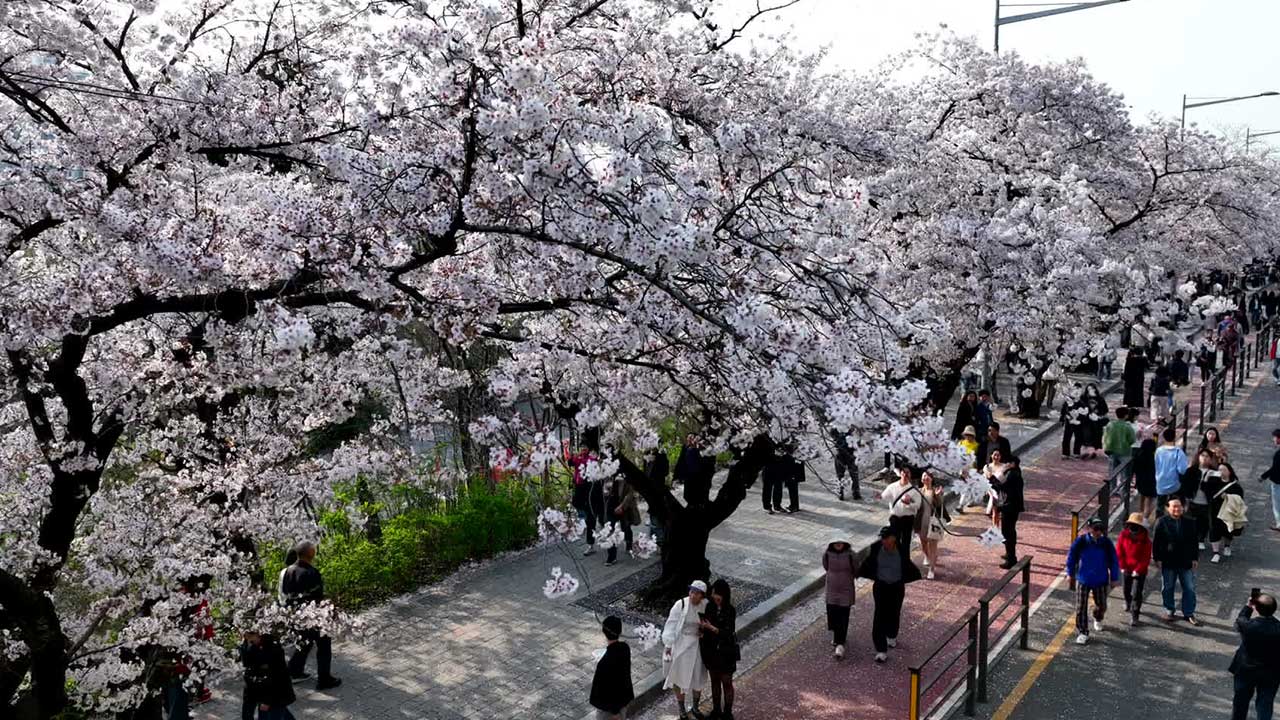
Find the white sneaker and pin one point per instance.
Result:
(839, 652)
(1202, 546)
(893, 642)
(1097, 626)
(1216, 558)
(930, 575)
(881, 657)
(591, 550)
(1226, 551)
(1082, 639)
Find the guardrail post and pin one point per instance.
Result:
(1075, 532)
(984, 638)
(1235, 367)
(971, 678)
(913, 700)
(1104, 503)
(1200, 426)
(1026, 605)
(1127, 484)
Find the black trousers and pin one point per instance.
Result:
(838, 622)
(1069, 432)
(1133, 587)
(793, 494)
(902, 526)
(626, 533)
(888, 613)
(1009, 525)
(595, 509)
(1200, 513)
(324, 655)
(770, 494)
(1245, 690)
(848, 465)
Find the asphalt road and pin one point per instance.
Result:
(1157, 670)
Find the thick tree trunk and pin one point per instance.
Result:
(684, 552)
(38, 626)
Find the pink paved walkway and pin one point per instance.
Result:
(803, 680)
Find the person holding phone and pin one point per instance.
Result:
(1256, 665)
(682, 655)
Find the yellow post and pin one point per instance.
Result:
(914, 702)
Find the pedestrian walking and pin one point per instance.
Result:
(1179, 370)
(990, 442)
(1093, 562)
(983, 416)
(904, 501)
(965, 414)
(1134, 377)
(720, 651)
(588, 497)
(1170, 464)
(682, 664)
(781, 471)
(1212, 442)
(1256, 664)
(267, 687)
(846, 464)
(994, 472)
(1273, 474)
(302, 584)
(1192, 491)
(1176, 552)
(1144, 475)
(656, 467)
(1133, 549)
(890, 569)
(841, 592)
(1092, 422)
(1206, 360)
(1074, 429)
(1159, 394)
(969, 441)
(935, 517)
(1275, 360)
(611, 688)
(1226, 501)
(1117, 441)
(1010, 503)
(622, 507)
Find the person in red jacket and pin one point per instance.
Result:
(1134, 552)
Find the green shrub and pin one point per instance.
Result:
(420, 545)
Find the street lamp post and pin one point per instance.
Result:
(1250, 135)
(1187, 106)
(1067, 7)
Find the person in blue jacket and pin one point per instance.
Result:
(1096, 568)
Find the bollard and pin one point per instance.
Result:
(971, 677)
(1026, 605)
(913, 702)
(984, 618)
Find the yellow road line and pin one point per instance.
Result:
(1046, 656)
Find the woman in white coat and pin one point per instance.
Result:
(682, 658)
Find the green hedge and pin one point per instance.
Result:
(421, 545)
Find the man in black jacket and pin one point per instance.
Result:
(889, 568)
(990, 443)
(1012, 503)
(267, 690)
(1273, 474)
(1256, 665)
(611, 689)
(302, 584)
(1176, 551)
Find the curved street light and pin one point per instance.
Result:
(1186, 105)
(1065, 7)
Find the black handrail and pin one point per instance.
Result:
(986, 617)
(969, 650)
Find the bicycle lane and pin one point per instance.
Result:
(803, 680)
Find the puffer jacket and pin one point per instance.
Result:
(1134, 550)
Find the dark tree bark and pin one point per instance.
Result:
(688, 527)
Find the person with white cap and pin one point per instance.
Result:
(682, 657)
(1133, 549)
(842, 572)
(889, 568)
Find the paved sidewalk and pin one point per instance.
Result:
(1159, 671)
(485, 643)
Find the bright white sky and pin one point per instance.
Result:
(1151, 51)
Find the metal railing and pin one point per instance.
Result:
(976, 639)
(968, 651)
(987, 617)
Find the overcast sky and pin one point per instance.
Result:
(1151, 51)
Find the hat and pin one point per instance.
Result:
(612, 626)
(1098, 523)
(699, 586)
(968, 430)
(1137, 519)
(886, 531)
